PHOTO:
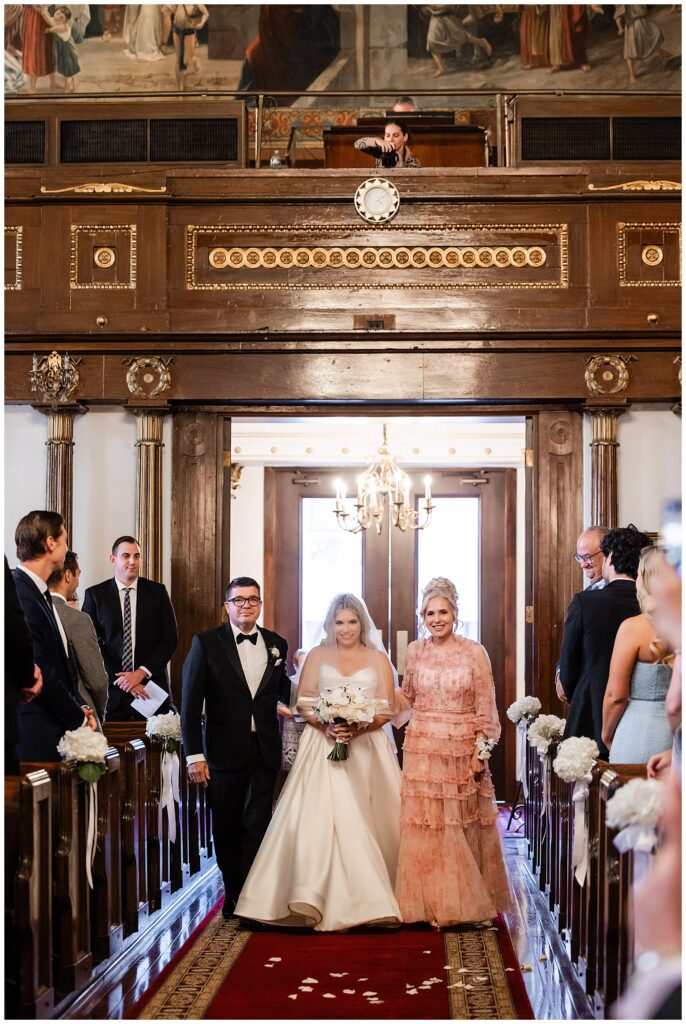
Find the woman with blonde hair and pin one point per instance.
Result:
(329, 857)
(450, 866)
(635, 724)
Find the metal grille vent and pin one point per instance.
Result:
(110, 142)
(24, 142)
(194, 139)
(646, 138)
(565, 138)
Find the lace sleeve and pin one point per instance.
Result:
(486, 720)
(404, 697)
(384, 688)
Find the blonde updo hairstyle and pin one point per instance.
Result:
(439, 586)
(649, 568)
(344, 602)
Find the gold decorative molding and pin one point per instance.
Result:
(18, 232)
(607, 375)
(399, 257)
(104, 256)
(369, 258)
(667, 227)
(640, 185)
(155, 379)
(236, 470)
(100, 187)
(78, 229)
(56, 376)
(652, 255)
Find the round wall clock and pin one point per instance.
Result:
(377, 200)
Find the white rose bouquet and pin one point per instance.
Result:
(637, 802)
(168, 728)
(344, 705)
(484, 748)
(526, 707)
(88, 748)
(575, 758)
(544, 729)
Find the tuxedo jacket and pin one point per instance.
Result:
(155, 633)
(19, 658)
(92, 677)
(44, 720)
(213, 674)
(593, 618)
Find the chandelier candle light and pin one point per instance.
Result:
(383, 477)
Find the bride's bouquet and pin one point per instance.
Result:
(344, 705)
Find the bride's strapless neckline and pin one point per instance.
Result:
(340, 676)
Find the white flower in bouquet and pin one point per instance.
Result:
(484, 748)
(344, 705)
(168, 728)
(544, 729)
(638, 802)
(526, 707)
(575, 758)
(88, 748)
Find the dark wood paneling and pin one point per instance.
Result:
(444, 146)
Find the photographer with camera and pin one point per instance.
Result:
(392, 150)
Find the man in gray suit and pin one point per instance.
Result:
(92, 677)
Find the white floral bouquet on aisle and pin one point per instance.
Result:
(544, 729)
(575, 758)
(525, 707)
(344, 705)
(168, 728)
(88, 748)
(638, 802)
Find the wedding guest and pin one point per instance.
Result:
(233, 677)
(589, 556)
(392, 150)
(291, 723)
(635, 722)
(593, 618)
(329, 857)
(450, 865)
(404, 105)
(23, 678)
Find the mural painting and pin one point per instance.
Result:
(113, 48)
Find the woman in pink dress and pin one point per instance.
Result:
(450, 867)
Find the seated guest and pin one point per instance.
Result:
(404, 105)
(635, 725)
(136, 629)
(593, 618)
(392, 150)
(41, 541)
(92, 677)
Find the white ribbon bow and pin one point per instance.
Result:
(91, 829)
(641, 839)
(170, 792)
(522, 772)
(580, 842)
(545, 763)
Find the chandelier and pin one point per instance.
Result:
(383, 478)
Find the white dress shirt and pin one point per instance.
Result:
(253, 658)
(133, 598)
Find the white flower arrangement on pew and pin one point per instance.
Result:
(524, 708)
(574, 763)
(167, 728)
(635, 810)
(86, 747)
(89, 749)
(544, 729)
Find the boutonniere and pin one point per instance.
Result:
(275, 655)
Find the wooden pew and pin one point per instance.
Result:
(28, 895)
(72, 957)
(591, 897)
(107, 928)
(158, 845)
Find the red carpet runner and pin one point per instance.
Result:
(227, 973)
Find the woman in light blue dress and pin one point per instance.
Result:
(635, 722)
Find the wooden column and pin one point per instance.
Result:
(149, 423)
(604, 445)
(59, 476)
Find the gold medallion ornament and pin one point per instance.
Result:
(377, 200)
(148, 376)
(652, 255)
(607, 375)
(104, 256)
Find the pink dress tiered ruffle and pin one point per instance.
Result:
(450, 866)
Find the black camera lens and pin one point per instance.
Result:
(389, 159)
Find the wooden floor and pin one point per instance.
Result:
(552, 985)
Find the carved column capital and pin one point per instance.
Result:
(604, 445)
(149, 427)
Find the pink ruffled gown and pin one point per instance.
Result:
(450, 866)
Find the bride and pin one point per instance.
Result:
(329, 857)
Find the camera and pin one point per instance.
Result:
(387, 159)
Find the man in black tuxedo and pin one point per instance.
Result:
(238, 671)
(23, 678)
(593, 618)
(136, 629)
(41, 541)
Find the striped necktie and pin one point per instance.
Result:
(127, 649)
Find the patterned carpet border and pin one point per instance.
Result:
(190, 988)
(478, 988)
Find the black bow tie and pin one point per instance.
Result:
(252, 637)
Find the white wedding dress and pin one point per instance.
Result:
(329, 857)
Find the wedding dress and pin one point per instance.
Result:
(328, 860)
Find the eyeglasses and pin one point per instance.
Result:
(240, 602)
(586, 559)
